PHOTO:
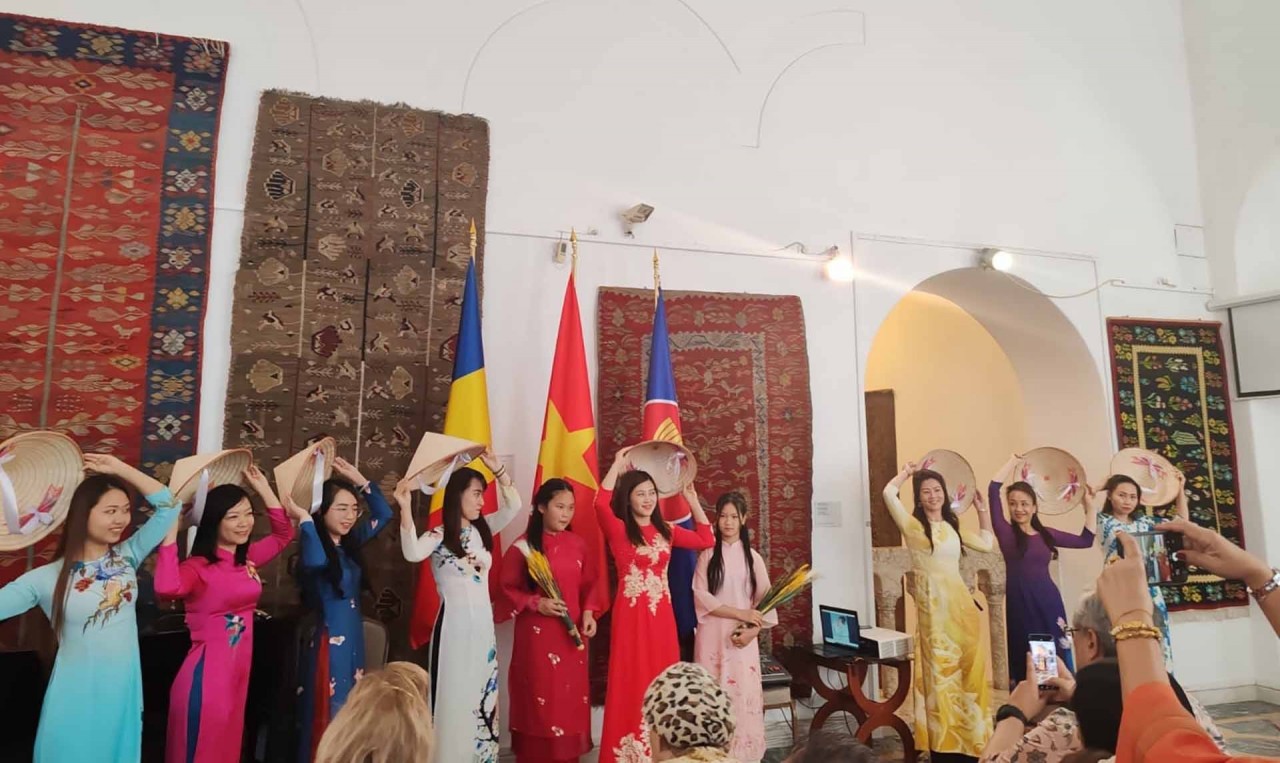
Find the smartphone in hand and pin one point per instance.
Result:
(1044, 659)
(1160, 557)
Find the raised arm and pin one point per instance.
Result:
(1003, 530)
(1180, 503)
(509, 504)
(24, 593)
(265, 549)
(1063, 539)
(701, 537)
(312, 554)
(174, 580)
(609, 523)
(983, 540)
(697, 539)
(901, 517)
(414, 547)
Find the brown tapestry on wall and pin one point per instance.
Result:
(742, 376)
(353, 256)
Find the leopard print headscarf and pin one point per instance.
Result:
(687, 708)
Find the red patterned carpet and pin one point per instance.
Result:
(742, 375)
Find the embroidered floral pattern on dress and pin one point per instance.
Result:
(235, 627)
(487, 713)
(654, 587)
(634, 748)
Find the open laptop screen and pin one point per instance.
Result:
(839, 626)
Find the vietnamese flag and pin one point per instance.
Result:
(467, 416)
(568, 448)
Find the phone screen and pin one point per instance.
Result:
(1044, 658)
(1159, 557)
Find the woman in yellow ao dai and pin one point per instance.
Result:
(951, 692)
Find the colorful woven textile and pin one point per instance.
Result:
(353, 255)
(107, 142)
(1172, 398)
(742, 373)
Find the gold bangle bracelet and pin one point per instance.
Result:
(1152, 634)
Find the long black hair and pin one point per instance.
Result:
(1020, 537)
(75, 532)
(948, 515)
(621, 504)
(333, 571)
(546, 493)
(1115, 481)
(459, 483)
(715, 568)
(220, 500)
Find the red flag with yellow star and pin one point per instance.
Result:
(568, 447)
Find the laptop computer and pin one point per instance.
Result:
(840, 632)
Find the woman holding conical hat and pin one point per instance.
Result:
(331, 574)
(643, 640)
(464, 651)
(93, 706)
(952, 696)
(220, 586)
(1033, 604)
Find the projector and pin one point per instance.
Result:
(885, 644)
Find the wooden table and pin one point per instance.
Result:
(805, 663)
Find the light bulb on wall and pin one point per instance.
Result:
(839, 267)
(996, 259)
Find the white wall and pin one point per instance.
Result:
(1033, 124)
(1234, 67)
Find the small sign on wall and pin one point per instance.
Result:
(826, 514)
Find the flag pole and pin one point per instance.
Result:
(657, 279)
(573, 241)
(473, 238)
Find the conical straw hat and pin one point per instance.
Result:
(437, 457)
(226, 467)
(671, 465)
(1055, 475)
(303, 474)
(1154, 474)
(39, 471)
(961, 483)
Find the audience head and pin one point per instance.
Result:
(1098, 703)
(685, 709)
(386, 719)
(829, 747)
(1091, 638)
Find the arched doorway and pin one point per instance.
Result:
(978, 362)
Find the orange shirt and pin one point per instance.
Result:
(1155, 728)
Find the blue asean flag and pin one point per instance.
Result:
(662, 422)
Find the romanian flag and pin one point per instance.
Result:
(662, 422)
(467, 416)
(568, 448)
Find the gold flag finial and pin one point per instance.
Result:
(473, 238)
(573, 242)
(657, 277)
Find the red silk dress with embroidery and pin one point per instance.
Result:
(643, 641)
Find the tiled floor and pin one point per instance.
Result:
(1250, 728)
